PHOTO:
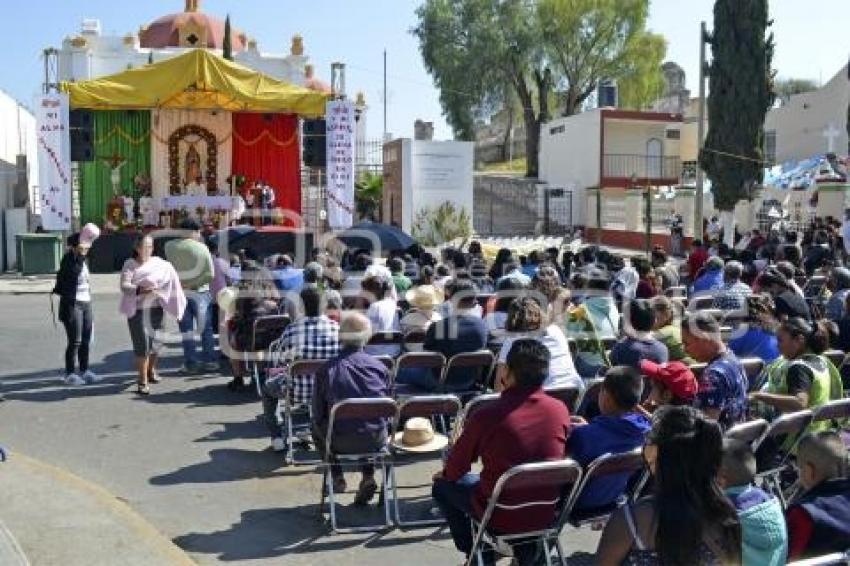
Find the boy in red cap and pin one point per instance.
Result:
(673, 383)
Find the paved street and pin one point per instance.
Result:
(191, 460)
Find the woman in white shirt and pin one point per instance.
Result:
(526, 319)
(382, 313)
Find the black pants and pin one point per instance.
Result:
(77, 319)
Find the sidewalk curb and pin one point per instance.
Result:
(131, 519)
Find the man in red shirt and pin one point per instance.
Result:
(696, 259)
(525, 425)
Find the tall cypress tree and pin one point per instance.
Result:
(740, 94)
(226, 44)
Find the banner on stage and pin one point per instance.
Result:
(54, 161)
(340, 163)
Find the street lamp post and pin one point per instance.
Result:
(648, 197)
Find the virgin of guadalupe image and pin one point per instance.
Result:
(192, 169)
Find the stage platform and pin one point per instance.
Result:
(109, 251)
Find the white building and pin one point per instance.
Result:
(811, 123)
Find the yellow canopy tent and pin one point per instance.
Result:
(197, 80)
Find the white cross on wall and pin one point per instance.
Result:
(830, 133)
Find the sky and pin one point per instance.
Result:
(812, 42)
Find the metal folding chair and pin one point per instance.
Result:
(570, 396)
(433, 361)
(592, 387)
(388, 362)
(701, 302)
(834, 559)
(389, 338)
(472, 406)
(837, 410)
(835, 356)
(630, 463)
(445, 407)
(298, 368)
(266, 330)
(753, 368)
(748, 432)
(481, 361)
(562, 477)
(358, 409)
(675, 292)
(414, 340)
(787, 429)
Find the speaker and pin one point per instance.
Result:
(315, 143)
(81, 123)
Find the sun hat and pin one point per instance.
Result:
(419, 436)
(423, 297)
(89, 234)
(675, 376)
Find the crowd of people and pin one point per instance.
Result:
(668, 378)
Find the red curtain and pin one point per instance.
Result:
(265, 146)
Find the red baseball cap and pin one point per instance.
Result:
(675, 376)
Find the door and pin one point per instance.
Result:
(654, 158)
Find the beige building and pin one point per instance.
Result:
(811, 123)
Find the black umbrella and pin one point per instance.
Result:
(233, 235)
(366, 234)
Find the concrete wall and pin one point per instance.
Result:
(441, 171)
(17, 136)
(800, 124)
(569, 156)
(626, 137)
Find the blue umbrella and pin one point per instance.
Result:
(233, 234)
(366, 234)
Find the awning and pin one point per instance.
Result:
(197, 80)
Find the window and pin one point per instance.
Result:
(673, 134)
(770, 146)
(557, 130)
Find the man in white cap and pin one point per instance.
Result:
(75, 313)
(351, 374)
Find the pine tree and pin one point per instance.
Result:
(226, 45)
(740, 94)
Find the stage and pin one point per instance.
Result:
(109, 252)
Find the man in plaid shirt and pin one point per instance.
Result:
(733, 295)
(312, 337)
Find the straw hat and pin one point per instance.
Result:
(89, 234)
(419, 436)
(423, 298)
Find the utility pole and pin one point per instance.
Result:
(385, 97)
(698, 212)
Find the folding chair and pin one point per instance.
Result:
(472, 406)
(749, 431)
(814, 286)
(630, 463)
(266, 330)
(787, 429)
(676, 292)
(432, 361)
(570, 396)
(834, 559)
(592, 387)
(389, 338)
(835, 356)
(701, 302)
(447, 408)
(388, 361)
(837, 410)
(482, 361)
(753, 368)
(483, 299)
(358, 409)
(562, 477)
(298, 368)
(414, 340)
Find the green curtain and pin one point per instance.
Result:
(124, 134)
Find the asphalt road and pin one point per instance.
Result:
(192, 458)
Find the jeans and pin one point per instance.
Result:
(198, 307)
(455, 501)
(77, 319)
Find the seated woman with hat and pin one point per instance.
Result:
(423, 301)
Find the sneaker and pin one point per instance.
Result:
(186, 369)
(92, 377)
(278, 445)
(74, 379)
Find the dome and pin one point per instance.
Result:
(190, 28)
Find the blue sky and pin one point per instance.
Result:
(812, 41)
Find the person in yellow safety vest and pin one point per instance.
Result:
(803, 378)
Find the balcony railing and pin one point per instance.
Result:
(643, 167)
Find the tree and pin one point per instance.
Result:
(473, 48)
(591, 40)
(150, 57)
(786, 88)
(368, 194)
(227, 42)
(645, 84)
(741, 93)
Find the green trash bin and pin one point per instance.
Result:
(39, 253)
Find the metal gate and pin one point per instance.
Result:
(506, 206)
